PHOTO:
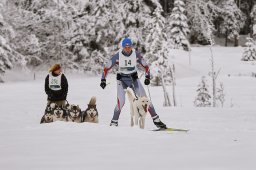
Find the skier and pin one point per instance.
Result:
(56, 86)
(127, 58)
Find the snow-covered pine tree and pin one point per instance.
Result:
(253, 18)
(5, 62)
(156, 40)
(249, 53)
(157, 46)
(203, 96)
(8, 56)
(233, 20)
(157, 49)
(47, 20)
(81, 37)
(133, 17)
(178, 27)
(96, 31)
(103, 16)
(201, 14)
(220, 96)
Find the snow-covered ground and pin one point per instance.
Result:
(219, 138)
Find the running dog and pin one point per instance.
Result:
(48, 114)
(74, 113)
(91, 113)
(138, 107)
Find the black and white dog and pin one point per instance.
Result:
(48, 114)
(60, 113)
(91, 113)
(74, 113)
(138, 107)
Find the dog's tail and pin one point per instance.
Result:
(130, 94)
(93, 101)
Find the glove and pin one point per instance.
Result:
(103, 83)
(147, 80)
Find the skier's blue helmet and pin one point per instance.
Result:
(126, 42)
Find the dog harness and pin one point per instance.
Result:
(127, 64)
(55, 82)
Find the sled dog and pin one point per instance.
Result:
(48, 114)
(59, 113)
(74, 113)
(91, 113)
(138, 108)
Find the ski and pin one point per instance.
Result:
(171, 130)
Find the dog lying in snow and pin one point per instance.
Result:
(74, 113)
(71, 113)
(48, 114)
(138, 108)
(59, 113)
(91, 113)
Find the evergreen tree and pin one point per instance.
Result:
(253, 18)
(103, 16)
(233, 20)
(203, 96)
(156, 40)
(250, 51)
(8, 55)
(157, 46)
(134, 15)
(47, 20)
(201, 14)
(178, 27)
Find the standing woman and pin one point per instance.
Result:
(56, 86)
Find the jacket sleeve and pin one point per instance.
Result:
(143, 63)
(64, 85)
(46, 85)
(113, 61)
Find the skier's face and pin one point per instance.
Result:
(127, 49)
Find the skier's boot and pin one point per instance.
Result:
(114, 123)
(159, 123)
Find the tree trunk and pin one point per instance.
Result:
(1, 80)
(213, 90)
(173, 86)
(157, 81)
(166, 95)
(226, 38)
(236, 41)
(238, 3)
(214, 76)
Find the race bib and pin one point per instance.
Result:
(127, 65)
(55, 82)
